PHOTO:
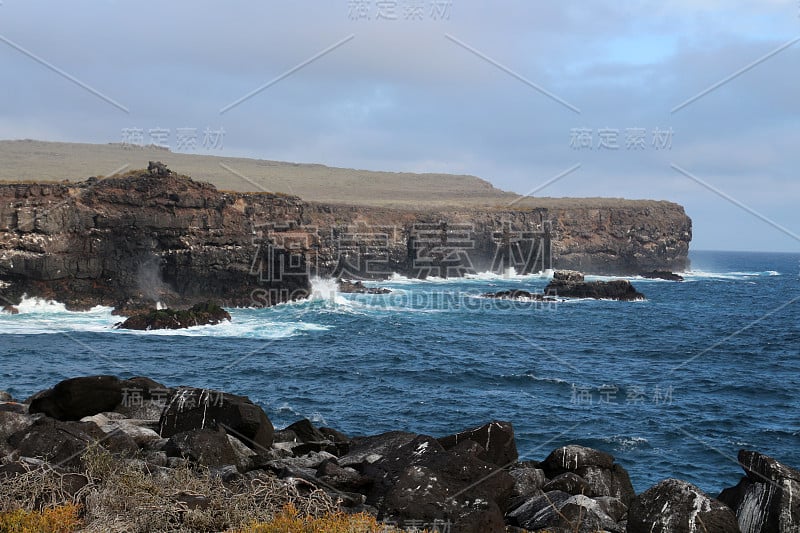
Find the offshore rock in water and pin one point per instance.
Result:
(662, 274)
(357, 287)
(203, 314)
(570, 284)
(517, 294)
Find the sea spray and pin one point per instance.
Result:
(327, 290)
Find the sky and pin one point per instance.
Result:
(696, 102)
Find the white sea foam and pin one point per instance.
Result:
(626, 442)
(40, 317)
(239, 327)
(509, 274)
(735, 275)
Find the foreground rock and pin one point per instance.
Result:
(194, 409)
(75, 398)
(573, 486)
(469, 481)
(571, 284)
(766, 499)
(674, 506)
(204, 314)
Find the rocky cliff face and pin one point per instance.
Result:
(156, 236)
(141, 239)
(628, 237)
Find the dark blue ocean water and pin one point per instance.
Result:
(672, 387)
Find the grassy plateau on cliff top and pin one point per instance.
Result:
(40, 161)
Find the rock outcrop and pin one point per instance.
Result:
(766, 499)
(469, 481)
(203, 314)
(155, 236)
(147, 237)
(674, 506)
(662, 274)
(357, 287)
(570, 284)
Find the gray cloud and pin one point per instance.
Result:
(401, 96)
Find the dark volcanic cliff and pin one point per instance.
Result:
(134, 240)
(140, 239)
(624, 237)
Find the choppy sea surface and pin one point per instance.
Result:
(672, 386)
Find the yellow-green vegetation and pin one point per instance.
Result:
(290, 520)
(58, 519)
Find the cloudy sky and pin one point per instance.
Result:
(691, 101)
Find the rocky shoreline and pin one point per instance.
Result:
(153, 235)
(471, 481)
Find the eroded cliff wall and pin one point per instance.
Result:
(625, 237)
(145, 238)
(142, 239)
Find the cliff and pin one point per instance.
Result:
(139, 239)
(616, 237)
(156, 236)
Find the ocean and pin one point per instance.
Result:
(672, 386)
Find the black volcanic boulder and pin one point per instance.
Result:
(597, 468)
(72, 399)
(674, 506)
(203, 314)
(569, 482)
(207, 447)
(571, 284)
(190, 408)
(75, 398)
(766, 499)
(619, 289)
(422, 481)
(64, 443)
(366, 450)
(495, 438)
(568, 276)
(514, 294)
(358, 287)
(142, 398)
(584, 515)
(662, 274)
(539, 511)
(11, 422)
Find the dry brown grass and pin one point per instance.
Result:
(290, 520)
(127, 496)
